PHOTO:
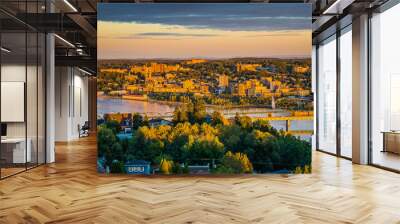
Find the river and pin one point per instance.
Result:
(153, 108)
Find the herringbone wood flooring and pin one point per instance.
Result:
(70, 191)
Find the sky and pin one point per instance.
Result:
(183, 31)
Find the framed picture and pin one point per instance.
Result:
(204, 88)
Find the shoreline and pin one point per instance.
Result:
(211, 108)
(171, 103)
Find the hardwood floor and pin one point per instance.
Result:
(70, 191)
(8, 171)
(387, 159)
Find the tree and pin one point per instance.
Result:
(117, 152)
(204, 148)
(148, 145)
(247, 167)
(264, 126)
(265, 157)
(235, 163)
(105, 140)
(293, 152)
(199, 111)
(230, 165)
(176, 144)
(145, 121)
(218, 118)
(117, 167)
(166, 166)
(307, 169)
(180, 115)
(232, 136)
(114, 126)
(244, 122)
(137, 121)
(190, 112)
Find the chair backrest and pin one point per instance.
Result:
(86, 125)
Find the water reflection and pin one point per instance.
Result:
(155, 108)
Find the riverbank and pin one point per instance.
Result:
(156, 108)
(135, 97)
(174, 103)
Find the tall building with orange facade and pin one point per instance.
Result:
(246, 67)
(223, 81)
(154, 68)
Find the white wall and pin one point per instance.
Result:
(61, 103)
(14, 73)
(33, 126)
(80, 110)
(71, 102)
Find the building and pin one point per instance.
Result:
(204, 88)
(141, 69)
(205, 169)
(119, 117)
(138, 167)
(158, 122)
(275, 85)
(133, 89)
(188, 84)
(304, 92)
(131, 78)
(267, 81)
(301, 69)
(284, 90)
(170, 76)
(246, 67)
(258, 91)
(241, 89)
(148, 70)
(223, 81)
(114, 70)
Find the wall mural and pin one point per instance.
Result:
(204, 88)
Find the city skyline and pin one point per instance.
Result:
(209, 31)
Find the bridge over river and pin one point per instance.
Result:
(288, 120)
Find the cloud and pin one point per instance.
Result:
(176, 34)
(230, 17)
(288, 33)
(158, 35)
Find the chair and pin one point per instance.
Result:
(84, 130)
